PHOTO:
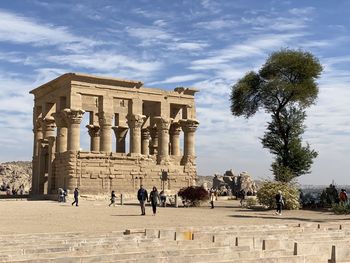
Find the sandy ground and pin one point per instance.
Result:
(95, 216)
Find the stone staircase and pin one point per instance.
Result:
(290, 243)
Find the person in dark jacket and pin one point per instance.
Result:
(113, 197)
(76, 197)
(142, 196)
(279, 202)
(154, 198)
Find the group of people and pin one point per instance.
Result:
(153, 197)
(13, 190)
(63, 193)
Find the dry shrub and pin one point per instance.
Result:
(267, 192)
(194, 195)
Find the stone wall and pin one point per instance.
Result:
(99, 173)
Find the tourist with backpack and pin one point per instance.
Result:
(142, 196)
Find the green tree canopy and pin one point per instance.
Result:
(284, 87)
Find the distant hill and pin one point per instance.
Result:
(15, 174)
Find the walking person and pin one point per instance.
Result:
(279, 202)
(113, 197)
(154, 198)
(60, 195)
(212, 197)
(242, 195)
(343, 197)
(76, 197)
(142, 196)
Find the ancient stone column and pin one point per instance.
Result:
(94, 132)
(49, 127)
(51, 157)
(62, 130)
(154, 140)
(175, 130)
(42, 166)
(135, 122)
(38, 136)
(105, 120)
(163, 126)
(74, 118)
(189, 127)
(120, 136)
(145, 135)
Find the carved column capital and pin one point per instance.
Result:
(145, 134)
(38, 124)
(93, 130)
(60, 119)
(162, 123)
(175, 128)
(120, 131)
(189, 125)
(49, 124)
(74, 116)
(105, 118)
(120, 134)
(135, 120)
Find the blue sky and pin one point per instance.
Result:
(204, 44)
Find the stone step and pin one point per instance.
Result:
(131, 255)
(150, 251)
(132, 243)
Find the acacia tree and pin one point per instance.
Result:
(284, 87)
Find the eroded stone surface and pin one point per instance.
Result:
(150, 121)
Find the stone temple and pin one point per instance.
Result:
(137, 135)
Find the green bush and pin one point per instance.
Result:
(341, 209)
(194, 195)
(267, 192)
(251, 202)
(329, 196)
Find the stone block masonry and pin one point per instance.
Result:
(151, 122)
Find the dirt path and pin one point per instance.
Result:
(96, 216)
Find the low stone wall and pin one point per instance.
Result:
(97, 173)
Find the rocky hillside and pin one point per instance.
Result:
(15, 174)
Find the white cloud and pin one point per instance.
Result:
(191, 46)
(253, 47)
(180, 79)
(217, 24)
(149, 35)
(160, 23)
(23, 30)
(106, 62)
(302, 11)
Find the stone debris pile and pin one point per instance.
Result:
(15, 174)
(231, 184)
